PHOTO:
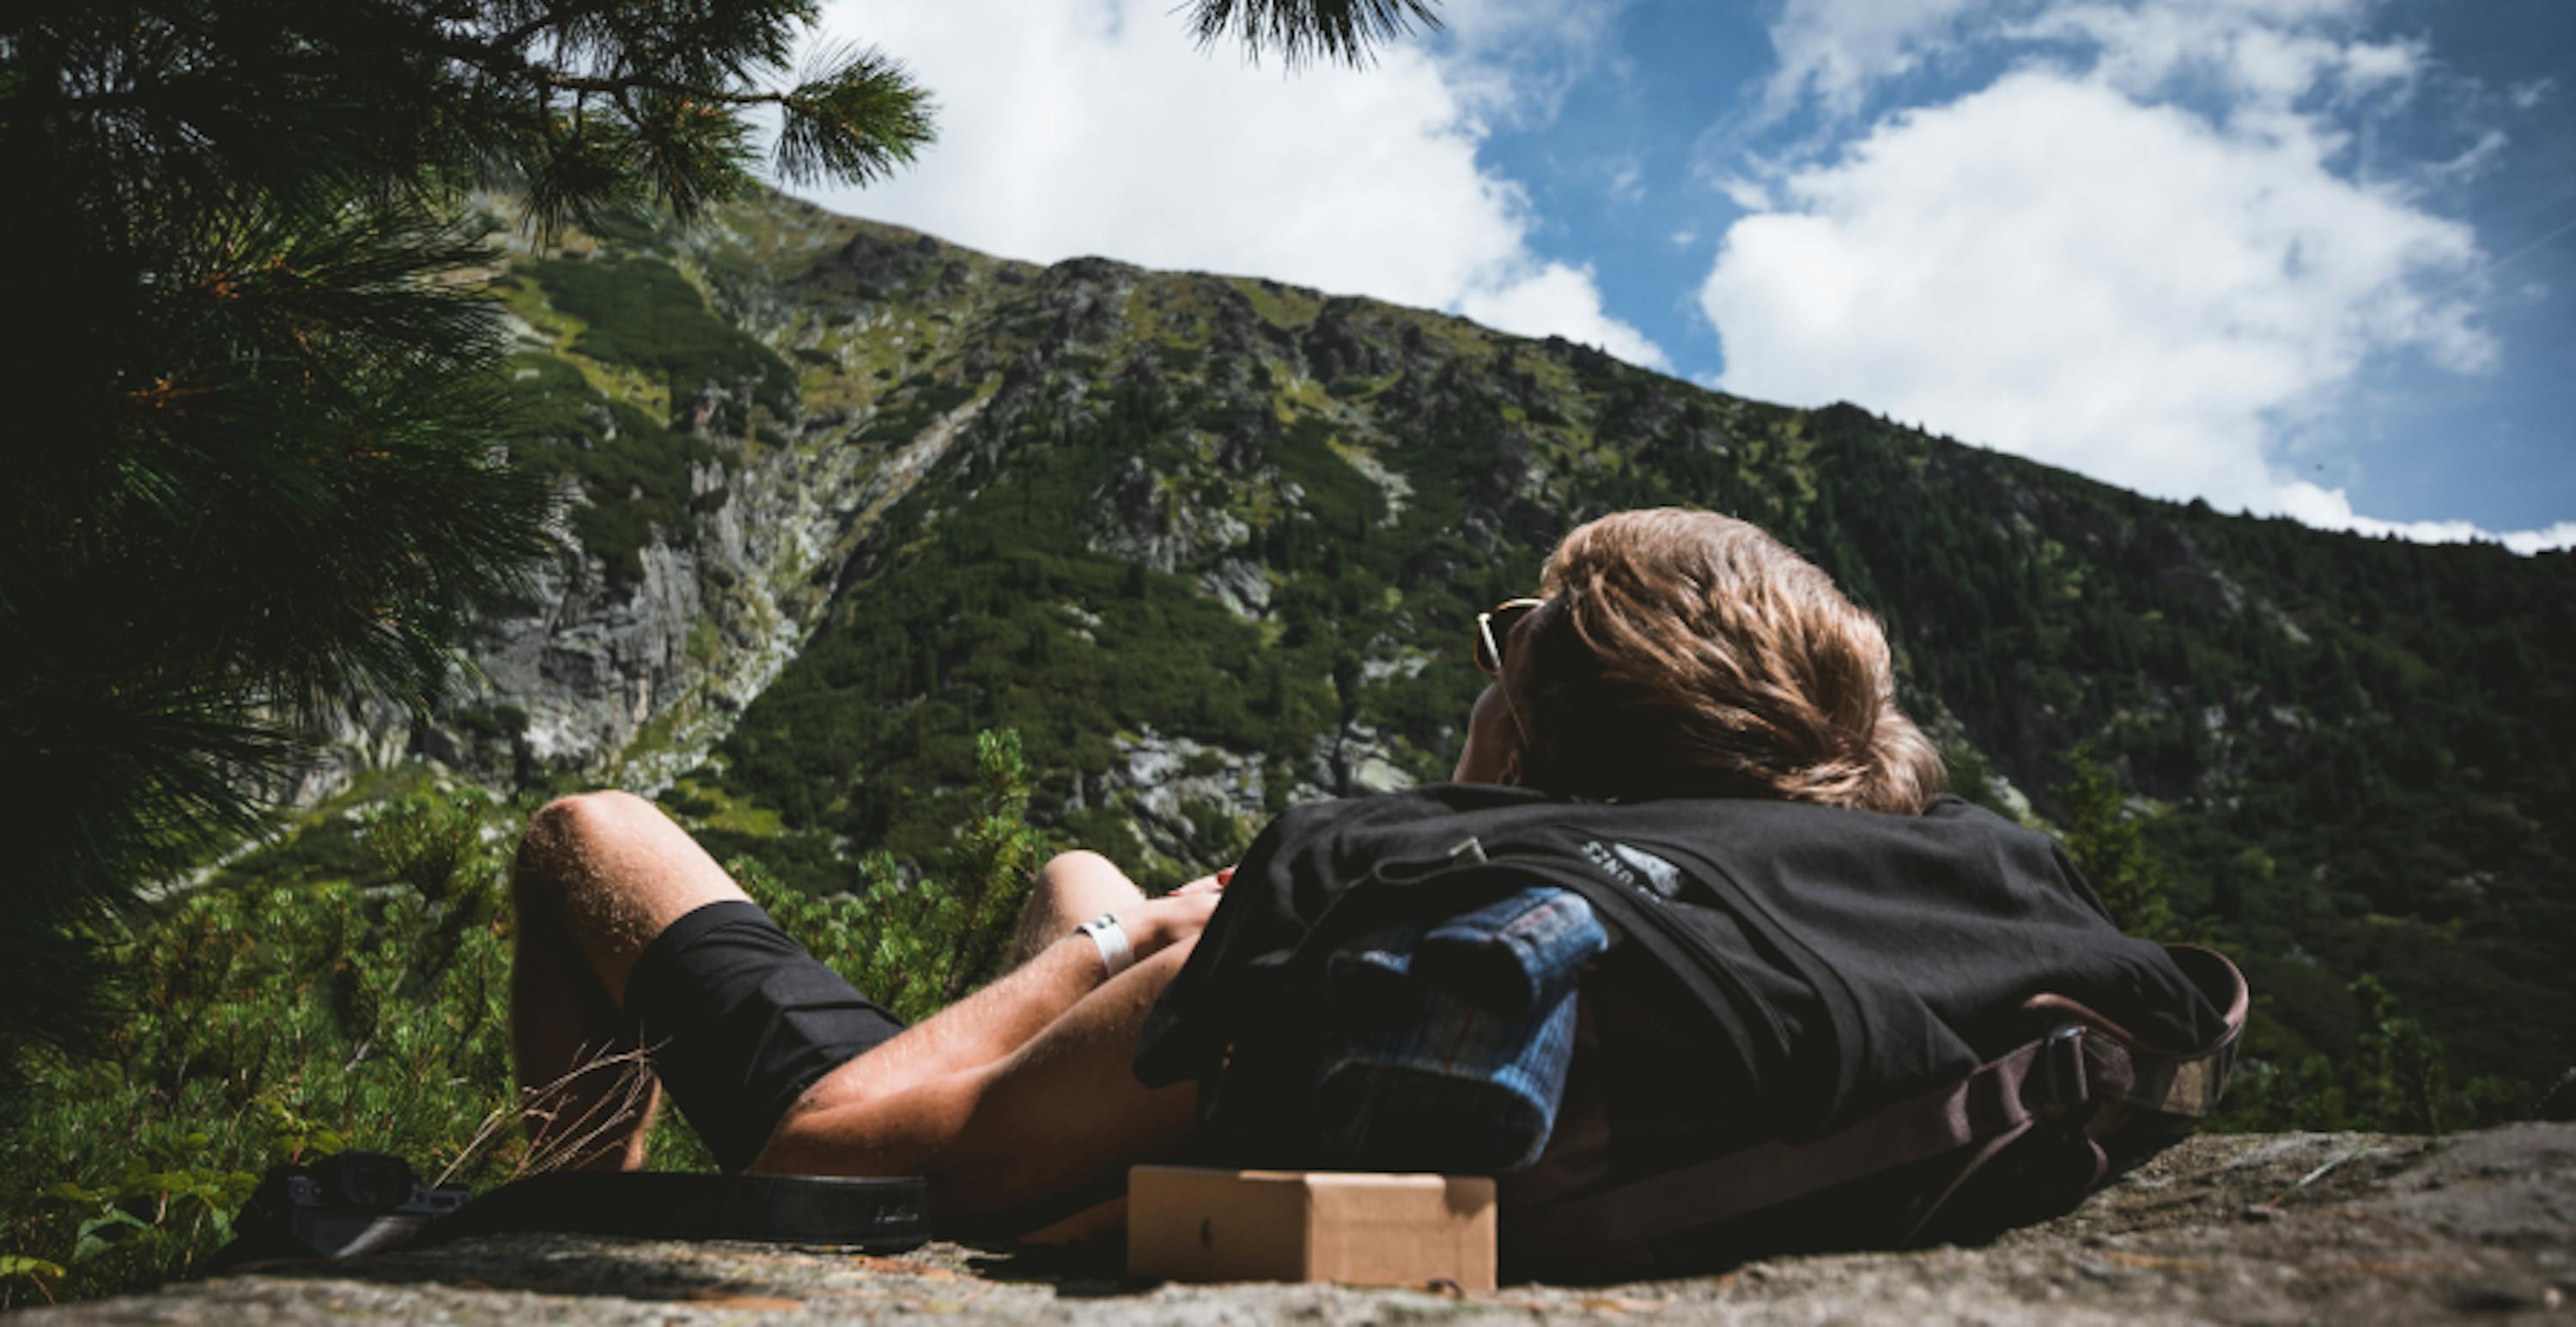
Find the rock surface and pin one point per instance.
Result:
(2342, 1228)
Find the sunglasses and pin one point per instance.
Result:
(1494, 627)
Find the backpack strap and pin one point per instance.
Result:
(2165, 1091)
(356, 1202)
(2086, 1070)
(875, 1215)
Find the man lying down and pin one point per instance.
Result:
(1672, 654)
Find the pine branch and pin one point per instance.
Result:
(856, 116)
(1344, 31)
(588, 105)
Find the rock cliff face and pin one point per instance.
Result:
(627, 674)
(593, 663)
(2297, 1228)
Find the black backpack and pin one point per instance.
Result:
(1816, 1028)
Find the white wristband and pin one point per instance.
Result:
(1115, 953)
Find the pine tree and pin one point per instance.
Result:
(260, 474)
(2110, 847)
(2403, 1073)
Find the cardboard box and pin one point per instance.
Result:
(1187, 1224)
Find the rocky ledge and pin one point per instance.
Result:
(2341, 1228)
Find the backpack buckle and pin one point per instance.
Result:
(2058, 1082)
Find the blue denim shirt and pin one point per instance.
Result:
(1454, 1036)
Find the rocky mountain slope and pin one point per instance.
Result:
(2352, 1229)
(843, 495)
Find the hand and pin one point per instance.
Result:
(1172, 919)
(1206, 884)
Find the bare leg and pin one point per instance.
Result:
(1073, 888)
(575, 1055)
(598, 876)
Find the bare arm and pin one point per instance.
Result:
(1061, 1110)
(1005, 1016)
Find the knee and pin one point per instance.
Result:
(1068, 876)
(568, 829)
(1066, 868)
(586, 817)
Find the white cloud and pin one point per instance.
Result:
(2528, 96)
(1627, 178)
(2049, 267)
(1513, 61)
(2331, 509)
(2475, 160)
(2071, 265)
(2268, 53)
(2560, 535)
(1749, 195)
(1097, 127)
(1836, 50)
(1555, 297)
(2374, 64)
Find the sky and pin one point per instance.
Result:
(2313, 258)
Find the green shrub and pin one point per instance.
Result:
(2399, 1082)
(269, 1020)
(2111, 848)
(914, 946)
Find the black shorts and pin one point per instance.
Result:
(739, 1020)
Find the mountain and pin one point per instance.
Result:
(844, 494)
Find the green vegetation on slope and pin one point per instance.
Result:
(634, 474)
(1007, 613)
(642, 313)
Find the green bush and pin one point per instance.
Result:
(914, 946)
(2111, 849)
(269, 1020)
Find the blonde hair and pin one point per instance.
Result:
(1687, 653)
